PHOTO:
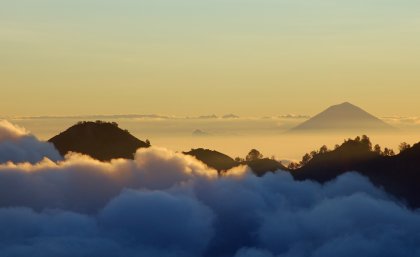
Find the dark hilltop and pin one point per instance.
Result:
(101, 140)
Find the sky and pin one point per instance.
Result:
(194, 57)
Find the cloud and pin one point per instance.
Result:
(253, 252)
(17, 145)
(403, 122)
(8, 131)
(353, 225)
(159, 220)
(167, 204)
(85, 185)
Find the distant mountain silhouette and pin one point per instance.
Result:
(200, 133)
(101, 140)
(213, 159)
(230, 116)
(343, 117)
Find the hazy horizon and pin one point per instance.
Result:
(234, 136)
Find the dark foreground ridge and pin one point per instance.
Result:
(213, 159)
(101, 140)
(222, 162)
(399, 174)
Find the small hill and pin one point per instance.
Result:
(221, 162)
(213, 159)
(101, 140)
(262, 166)
(344, 117)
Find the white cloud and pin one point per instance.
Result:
(8, 131)
(17, 145)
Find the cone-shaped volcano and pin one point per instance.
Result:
(344, 117)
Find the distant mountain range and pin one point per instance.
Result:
(344, 117)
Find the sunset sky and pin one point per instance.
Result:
(191, 57)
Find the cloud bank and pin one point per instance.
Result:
(17, 145)
(167, 204)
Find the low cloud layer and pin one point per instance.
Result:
(17, 145)
(167, 204)
(412, 122)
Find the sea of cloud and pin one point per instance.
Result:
(166, 204)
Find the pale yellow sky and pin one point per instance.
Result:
(193, 57)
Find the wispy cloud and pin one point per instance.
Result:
(403, 121)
